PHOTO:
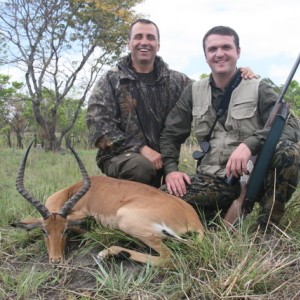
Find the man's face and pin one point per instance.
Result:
(221, 54)
(143, 44)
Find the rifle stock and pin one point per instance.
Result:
(251, 189)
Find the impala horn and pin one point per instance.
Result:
(42, 209)
(86, 185)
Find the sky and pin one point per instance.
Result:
(269, 32)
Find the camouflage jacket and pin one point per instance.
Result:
(125, 113)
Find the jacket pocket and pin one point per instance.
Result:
(199, 110)
(203, 119)
(244, 110)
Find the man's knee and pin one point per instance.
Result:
(131, 166)
(286, 163)
(287, 155)
(138, 168)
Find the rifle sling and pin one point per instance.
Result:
(223, 106)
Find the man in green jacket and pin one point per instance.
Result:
(237, 135)
(128, 107)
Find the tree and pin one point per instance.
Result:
(11, 110)
(292, 95)
(79, 133)
(62, 44)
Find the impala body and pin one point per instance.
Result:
(139, 210)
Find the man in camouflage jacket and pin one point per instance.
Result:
(128, 107)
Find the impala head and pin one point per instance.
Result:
(54, 224)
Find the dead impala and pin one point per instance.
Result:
(139, 210)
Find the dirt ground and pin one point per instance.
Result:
(73, 280)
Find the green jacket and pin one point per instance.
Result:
(125, 113)
(248, 111)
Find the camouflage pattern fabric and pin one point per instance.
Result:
(285, 174)
(212, 194)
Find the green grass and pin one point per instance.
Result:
(224, 265)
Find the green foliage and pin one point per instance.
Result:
(8, 89)
(292, 95)
(11, 109)
(110, 21)
(202, 76)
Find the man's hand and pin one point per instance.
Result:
(247, 73)
(153, 156)
(238, 160)
(176, 183)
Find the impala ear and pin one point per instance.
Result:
(76, 222)
(28, 224)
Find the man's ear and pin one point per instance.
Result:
(239, 52)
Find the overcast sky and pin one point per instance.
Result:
(269, 32)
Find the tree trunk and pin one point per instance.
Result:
(8, 139)
(19, 139)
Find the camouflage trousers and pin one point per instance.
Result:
(209, 194)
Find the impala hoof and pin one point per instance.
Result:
(102, 255)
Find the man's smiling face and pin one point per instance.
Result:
(221, 53)
(143, 45)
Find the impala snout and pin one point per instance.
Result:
(56, 260)
(56, 251)
(55, 237)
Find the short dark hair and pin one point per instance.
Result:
(222, 30)
(144, 21)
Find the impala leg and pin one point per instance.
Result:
(163, 258)
(234, 212)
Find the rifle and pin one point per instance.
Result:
(251, 185)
